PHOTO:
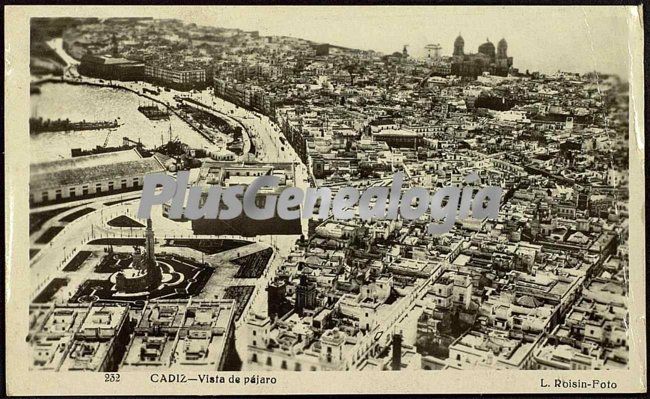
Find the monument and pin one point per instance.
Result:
(144, 273)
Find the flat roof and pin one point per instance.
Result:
(85, 161)
(91, 169)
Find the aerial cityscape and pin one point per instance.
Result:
(542, 287)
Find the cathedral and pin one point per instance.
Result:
(488, 59)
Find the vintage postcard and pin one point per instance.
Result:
(334, 199)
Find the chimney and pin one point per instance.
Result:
(397, 352)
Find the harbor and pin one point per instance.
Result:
(78, 102)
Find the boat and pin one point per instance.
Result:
(153, 112)
(40, 125)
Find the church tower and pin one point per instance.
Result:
(502, 49)
(459, 46)
(305, 295)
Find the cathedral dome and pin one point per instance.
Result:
(488, 49)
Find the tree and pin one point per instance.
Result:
(354, 69)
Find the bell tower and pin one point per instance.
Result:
(459, 46)
(502, 49)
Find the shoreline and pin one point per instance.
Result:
(246, 137)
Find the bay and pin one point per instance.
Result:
(94, 103)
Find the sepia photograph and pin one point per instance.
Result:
(237, 197)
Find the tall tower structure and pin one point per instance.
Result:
(502, 49)
(331, 354)
(277, 296)
(305, 295)
(145, 274)
(459, 46)
(435, 49)
(154, 273)
(114, 46)
(396, 360)
(503, 61)
(149, 243)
